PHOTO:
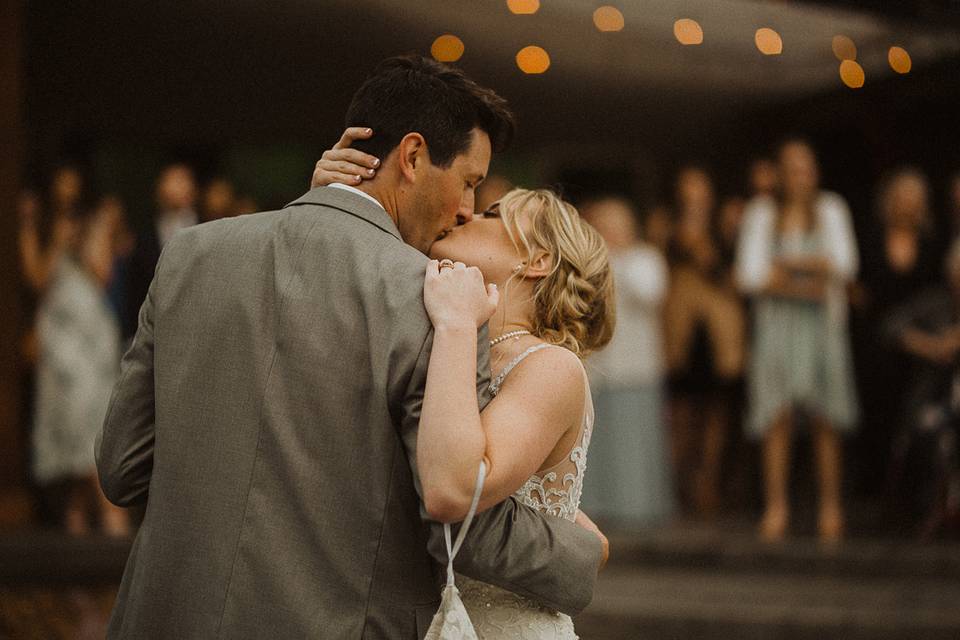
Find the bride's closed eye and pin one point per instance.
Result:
(491, 213)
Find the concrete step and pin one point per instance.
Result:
(736, 549)
(657, 602)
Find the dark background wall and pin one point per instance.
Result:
(258, 90)
(12, 502)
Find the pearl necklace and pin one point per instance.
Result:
(508, 335)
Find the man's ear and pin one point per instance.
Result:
(413, 156)
(540, 265)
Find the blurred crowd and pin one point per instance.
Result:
(84, 275)
(753, 322)
(761, 318)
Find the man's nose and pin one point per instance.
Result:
(464, 215)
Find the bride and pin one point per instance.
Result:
(542, 281)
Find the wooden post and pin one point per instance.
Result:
(14, 505)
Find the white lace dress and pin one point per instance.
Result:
(498, 614)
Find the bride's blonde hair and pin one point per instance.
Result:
(573, 304)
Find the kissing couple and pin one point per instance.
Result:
(315, 394)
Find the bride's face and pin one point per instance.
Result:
(483, 243)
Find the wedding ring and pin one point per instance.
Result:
(446, 264)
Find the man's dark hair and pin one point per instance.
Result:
(415, 94)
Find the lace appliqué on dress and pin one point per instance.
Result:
(561, 500)
(498, 614)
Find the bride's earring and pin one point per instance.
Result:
(518, 268)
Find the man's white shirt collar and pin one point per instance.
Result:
(369, 197)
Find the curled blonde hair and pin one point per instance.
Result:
(574, 303)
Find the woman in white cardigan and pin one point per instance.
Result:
(79, 341)
(796, 255)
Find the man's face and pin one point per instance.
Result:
(445, 198)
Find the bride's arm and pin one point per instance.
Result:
(517, 430)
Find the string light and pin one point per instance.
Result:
(608, 18)
(852, 74)
(447, 48)
(899, 60)
(768, 41)
(523, 7)
(844, 48)
(688, 31)
(533, 60)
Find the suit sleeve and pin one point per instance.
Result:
(545, 558)
(124, 446)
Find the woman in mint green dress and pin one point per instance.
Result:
(796, 255)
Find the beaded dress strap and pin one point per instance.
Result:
(498, 381)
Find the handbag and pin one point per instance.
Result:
(451, 621)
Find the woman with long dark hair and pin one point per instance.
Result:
(796, 256)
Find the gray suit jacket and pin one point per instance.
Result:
(267, 415)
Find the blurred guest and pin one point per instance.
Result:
(953, 206)
(219, 200)
(901, 257)
(764, 178)
(47, 231)
(491, 190)
(729, 220)
(658, 228)
(123, 244)
(176, 195)
(797, 254)
(39, 256)
(630, 481)
(927, 329)
(245, 204)
(704, 342)
(79, 357)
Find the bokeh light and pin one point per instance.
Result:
(447, 48)
(844, 48)
(899, 60)
(523, 7)
(688, 31)
(608, 18)
(852, 74)
(533, 60)
(768, 41)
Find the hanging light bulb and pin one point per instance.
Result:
(523, 7)
(608, 18)
(533, 60)
(852, 74)
(844, 48)
(899, 60)
(447, 48)
(688, 31)
(768, 41)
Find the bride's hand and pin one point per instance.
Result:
(456, 296)
(343, 164)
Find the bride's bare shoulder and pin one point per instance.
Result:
(554, 372)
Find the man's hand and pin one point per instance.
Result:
(343, 164)
(588, 524)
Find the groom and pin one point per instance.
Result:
(267, 411)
